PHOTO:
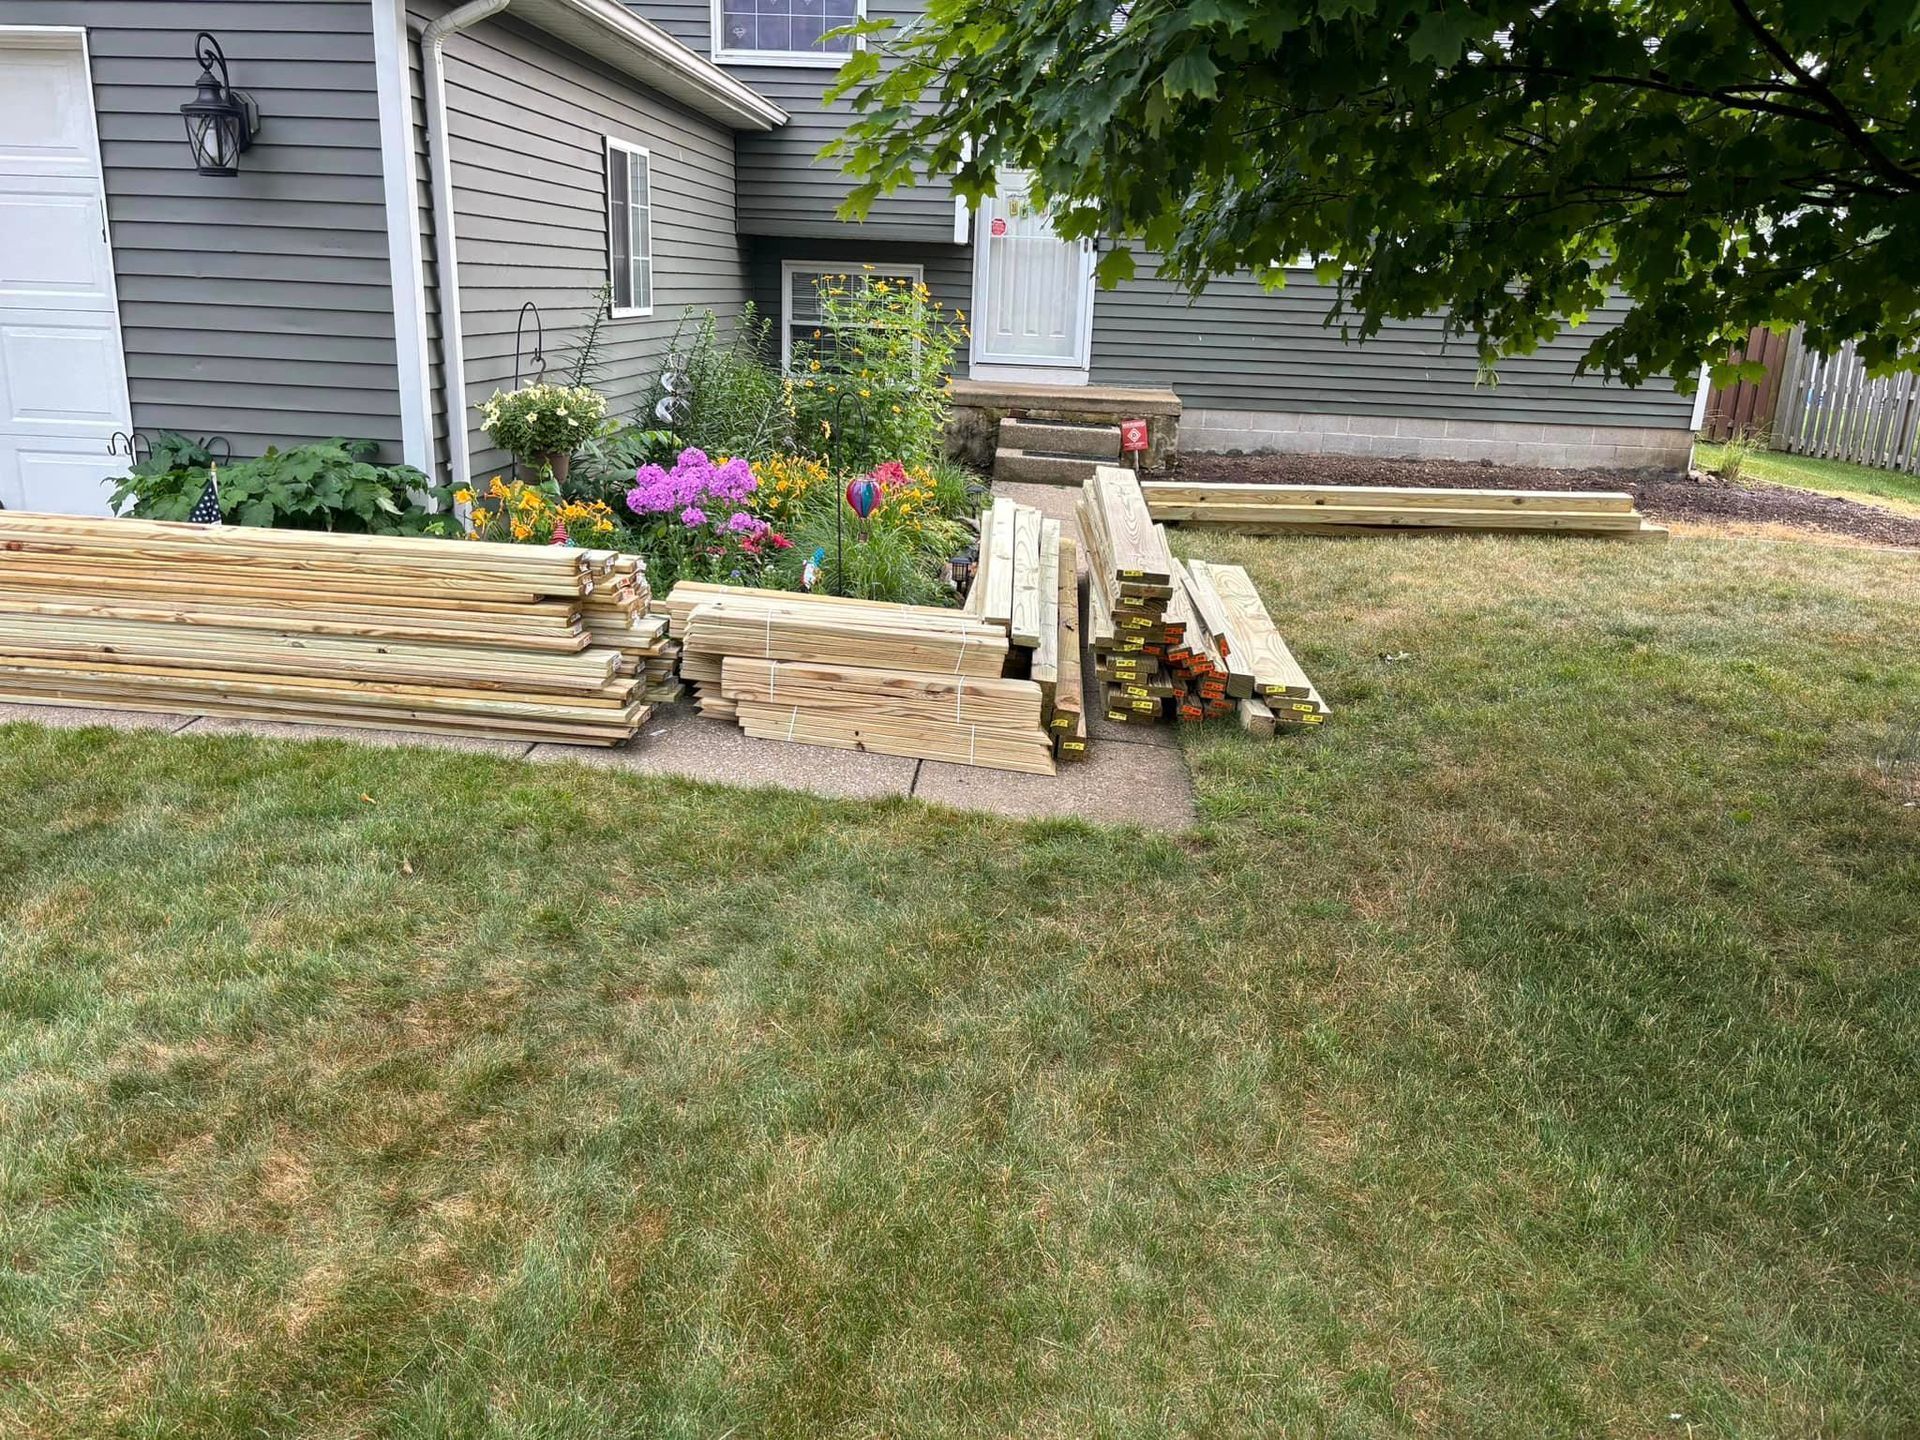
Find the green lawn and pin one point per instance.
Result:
(1893, 488)
(1534, 1051)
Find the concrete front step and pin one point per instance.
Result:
(1042, 469)
(1052, 437)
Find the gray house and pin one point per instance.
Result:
(422, 170)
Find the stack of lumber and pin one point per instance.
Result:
(858, 674)
(1189, 640)
(1133, 619)
(1027, 585)
(1258, 670)
(1369, 509)
(374, 632)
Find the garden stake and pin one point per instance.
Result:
(836, 428)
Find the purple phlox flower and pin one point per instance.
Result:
(691, 456)
(693, 515)
(735, 480)
(741, 523)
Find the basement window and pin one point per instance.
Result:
(801, 280)
(629, 228)
(784, 32)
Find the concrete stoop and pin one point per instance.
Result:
(982, 407)
(1031, 469)
(1053, 452)
(1054, 437)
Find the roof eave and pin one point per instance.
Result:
(643, 50)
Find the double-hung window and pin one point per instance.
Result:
(630, 228)
(783, 32)
(801, 323)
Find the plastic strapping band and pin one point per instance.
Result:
(959, 695)
(766, 648)
(973, 734)
(773, 681)
(961, 658)
(793, 720)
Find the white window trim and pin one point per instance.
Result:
(798, 59)
(789, 268)
(627, 147)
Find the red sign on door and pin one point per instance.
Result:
(999, 226)
(1133, 436)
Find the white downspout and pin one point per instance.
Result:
(453, 351)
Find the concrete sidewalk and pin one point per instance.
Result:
(1137, 778)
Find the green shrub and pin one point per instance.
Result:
(720, 393)
(603, 467)
(870, 383)
(331, 485)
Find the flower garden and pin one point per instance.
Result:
(827, 476)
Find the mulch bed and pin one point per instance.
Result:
(1697, 496)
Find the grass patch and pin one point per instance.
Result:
(1532, 1051)
(1892, 488)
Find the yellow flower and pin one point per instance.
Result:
(463, 496)
(813, 365)
(896, 409)
(865, 394)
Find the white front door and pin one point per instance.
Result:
(1033, 292)
(63, 379)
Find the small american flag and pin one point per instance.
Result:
(206, 510)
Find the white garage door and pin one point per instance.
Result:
(63, 380)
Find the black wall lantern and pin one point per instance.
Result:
(221, 121)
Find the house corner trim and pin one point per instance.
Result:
(406, 263)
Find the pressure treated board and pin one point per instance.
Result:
(1274, 669)
(377, 631)
(1164, 496)
(1023, 626)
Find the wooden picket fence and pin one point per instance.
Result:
(1829, 407)
(1746, 409)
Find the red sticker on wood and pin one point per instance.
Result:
(999, 226)
(1133, 435)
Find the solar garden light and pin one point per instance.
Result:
(221, 121)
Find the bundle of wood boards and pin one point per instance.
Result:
(378, 632)
(858, 674)
(1369, 509)
(1133, 618)
(1027, 585)
(1171, 639)
(1259, 671)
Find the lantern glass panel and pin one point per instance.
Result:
(214, 138)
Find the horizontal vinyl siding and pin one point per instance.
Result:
(1239, 347)
(258, 307)
(529, 121)
(948, 270)
(784, 189)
